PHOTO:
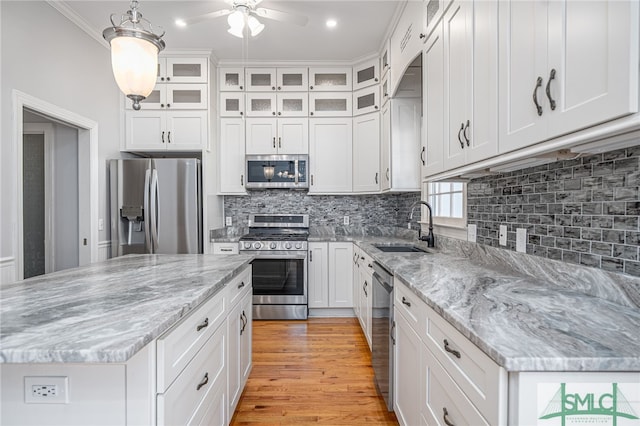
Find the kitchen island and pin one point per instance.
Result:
(104, 340)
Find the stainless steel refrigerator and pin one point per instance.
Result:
(156, 206)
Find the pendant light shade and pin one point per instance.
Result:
(240, 19)
(134, 54)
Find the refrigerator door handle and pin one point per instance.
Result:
(147, 212)
(155, 210)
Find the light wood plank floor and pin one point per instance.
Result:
(311, 372)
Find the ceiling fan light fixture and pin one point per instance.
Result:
(237, 32)
(255, 26)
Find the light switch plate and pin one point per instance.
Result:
(521, 240)
(502, 235)
(228, 221)
(472, 232)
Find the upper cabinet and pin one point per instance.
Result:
(366, 100)
(366, 74)
(330, 79)
(260, 79)
(231, 79)
(432, 12)
(183, 70)
(555, 76)
(276, 79)
(175, 96)
(385, 62)
(405, 44)
(336, 104)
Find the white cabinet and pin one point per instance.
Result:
(330, 153)
(405, 44)
(366, 100)
(432, 11)
(261, 104)
(385, 62)
(330, 104)
(183, 70)
(366, 74)
(231, 79)
(355, 273)
(366, 153)
(232, 104)
(364, 288)
(239, 330)
(330, 79)
(407, 378)
(280, 136)
(318, 279)
(280, 104)
(163, 130)
(225, 248)
(292, 79)
(231, 149)
(384, 91)
(260, 79)
(174, 96)
(556, 76)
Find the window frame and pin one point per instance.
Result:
(446, 221)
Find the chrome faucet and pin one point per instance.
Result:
(430, 238)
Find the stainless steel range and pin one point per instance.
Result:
(279, 242)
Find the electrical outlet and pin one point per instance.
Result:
(46, 390)
(228, 221)
(345, 220)
(101, 224)
(521, 240)
(502, 235)
(472, 231)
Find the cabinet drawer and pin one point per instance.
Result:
(481, 379)
(187, 399)
(225, 248)
(238, 286)
(177, 347)
(443, 402)
(410, 305)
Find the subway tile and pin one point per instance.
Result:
(633, 208)
(633, 179)
(563, 243)
(634, 151)
(573, 184)
(572, 208)
(613, 236)
(625, 222)
(603, 249)
(589, 260)
(555, 208)
(614, 208)
(614, 155)
(611, 264)
(571, 232)
(584, 170)
(602, 221)
(592, 208)
(597, 158)
(625, 194)
(554, 230)
(580, 246)
(548, 197)
(632, 238)
(548, 241)
(603, 169)
(570, 257)
(628, 165)
(554, 253)
(632, 268)
(591, 234)
(564, 173)
(625, 252)
(604, 194)
(581, 221)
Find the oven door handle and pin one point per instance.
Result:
(260, 256)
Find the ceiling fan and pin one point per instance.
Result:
(243, 15)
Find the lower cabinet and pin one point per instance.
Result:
(407, 378)
(239, 360)
(362, 284)
(330, 275)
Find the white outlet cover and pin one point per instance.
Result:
(472, 233)
(34, 386)
(502, 235)
(346, 220)
(521, 240)
(228, 221)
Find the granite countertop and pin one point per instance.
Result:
(108, 311)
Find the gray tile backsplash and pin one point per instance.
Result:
(324, 210)
(583, 211)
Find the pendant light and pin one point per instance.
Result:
(134, 54)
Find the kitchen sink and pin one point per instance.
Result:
(397, 248)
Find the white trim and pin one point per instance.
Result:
(331, 313)
(104, 250)
(70, 14)
(7, 270)
(88, 131)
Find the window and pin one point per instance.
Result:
(449, 203)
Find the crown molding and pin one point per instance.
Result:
(70, 14)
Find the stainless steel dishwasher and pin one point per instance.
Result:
(382, 340)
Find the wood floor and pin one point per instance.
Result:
(311, 372)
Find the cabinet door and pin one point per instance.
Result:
(292, 104)
(355, 278)
(261, 136)
(231, 79)
(186, 70)
(385, 61)
(145, 130)
(231, 104)
(318, 279)
(336, 104)
(435, 135)
(385, 148)
(260, 79)
(186, 130)
(458, 42)
(231, 150)
(366, 74)
(432, 11)
(366, 100)
(522, 64)
(330, 79)
(261, 105)
(591, 84)
(330, 144)
(384, 89)
(235, 322)
(407, 377)
(340, 275)
(246, 339)
(186, 96)
(365, 300)
(366, 153)
(292, 79)
(157, 99)
(293, 136)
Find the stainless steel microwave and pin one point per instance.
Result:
(277, 171)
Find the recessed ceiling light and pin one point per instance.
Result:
(331, 23)
(181, 23)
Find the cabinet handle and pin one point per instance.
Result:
(202, 325)
(422, 156)
(464, 132)
(311, 179)
(392, 333)
(387, 174)
(405, 301)
(459, 138)
(242, 180)
(310, 256)
(376, 178)
(241, 285)
(364, 288)
(535, 95)
(279, 141)
(243, 318)
(445, 417)
(274, 141)
(552, 76)
(451, 351)
(376, 107)
(204, 381)
(162, 137)
(168, 137)
(226, 249)
(161, 105)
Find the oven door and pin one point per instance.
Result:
(280, 278)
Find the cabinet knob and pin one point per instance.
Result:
(279, 88)
(311, 113)
(279, 113)
(311, 87)
(168, 105)
(376, 107)
(376, 79)
(161, 105)
(241, 88)
(161, 78)
(168, 78)
(422, 36)
(273, 113)
(273, 87)
(241, 112)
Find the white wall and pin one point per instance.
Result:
(46, 56)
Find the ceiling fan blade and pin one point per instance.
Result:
(206, 16)
(276, 15)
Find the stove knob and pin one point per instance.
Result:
(287, 246)
(273, 246)
(247, 245)
(298, 246)
(257, 245)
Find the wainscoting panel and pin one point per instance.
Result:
(7, 270)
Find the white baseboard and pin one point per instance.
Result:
(7, 270)
(104, 250)
(331, 313)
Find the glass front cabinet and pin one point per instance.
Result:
(366, 74)
(330, 79)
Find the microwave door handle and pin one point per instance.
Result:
(147, 213)
(295, 165)
(155, 207)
